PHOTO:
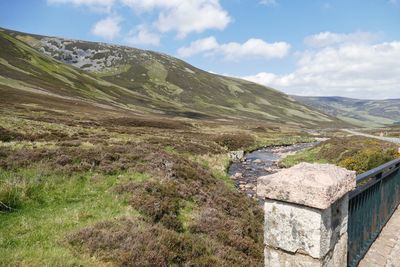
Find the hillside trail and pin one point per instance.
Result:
(387, 139)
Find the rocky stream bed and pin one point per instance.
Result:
(246, 168)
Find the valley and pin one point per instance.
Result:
(111, 155)
(359, 112)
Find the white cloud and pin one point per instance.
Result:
(108, 28)
(234, 51)
(255, 48)
(142, 36)
(180, 17)
(269, 2)
(200, 46)
(324, 39)
(352, 70)
(184, 16)
(264, 78)
(148, 5)
(100, 5)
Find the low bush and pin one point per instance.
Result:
(368, 159)
(198, 146)
(235, 141)
(355, 153)
(7, 135)
(160, 201)
(132, 242)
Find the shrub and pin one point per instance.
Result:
(235, 141)
(159, 200)
(354, 153)
(368, 159)
(203, 145)
(132, 242)
(7, 135)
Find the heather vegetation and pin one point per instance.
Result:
(134, 192)
(354, 153)
(122, 161)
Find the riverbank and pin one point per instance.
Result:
(261, 162)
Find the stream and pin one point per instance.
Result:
(258, 163)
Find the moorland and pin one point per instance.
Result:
(111, 155)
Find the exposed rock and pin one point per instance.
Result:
(236, 155)
(268, 169)
(259, 163)
(237, 175)
(312, 185)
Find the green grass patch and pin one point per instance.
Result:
(225, 178)
(218, 165)
(44, 208)
(282, 140)
(186, 214)
(308, 155)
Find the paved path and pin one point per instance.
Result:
(388, 139)
(385, 251)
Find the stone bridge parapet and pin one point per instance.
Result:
(306, 215)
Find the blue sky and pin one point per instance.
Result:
(308, 47)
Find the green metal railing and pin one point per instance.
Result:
(371, 205)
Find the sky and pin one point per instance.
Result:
(308, 47)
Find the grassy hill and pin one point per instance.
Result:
(364, 113)
(118, 78)
(122, 161)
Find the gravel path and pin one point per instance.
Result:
(388, 139)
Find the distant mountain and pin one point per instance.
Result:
(359, 112)
(50, 71)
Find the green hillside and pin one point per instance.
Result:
(119, 158)
(364, 113)
(122, 78)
